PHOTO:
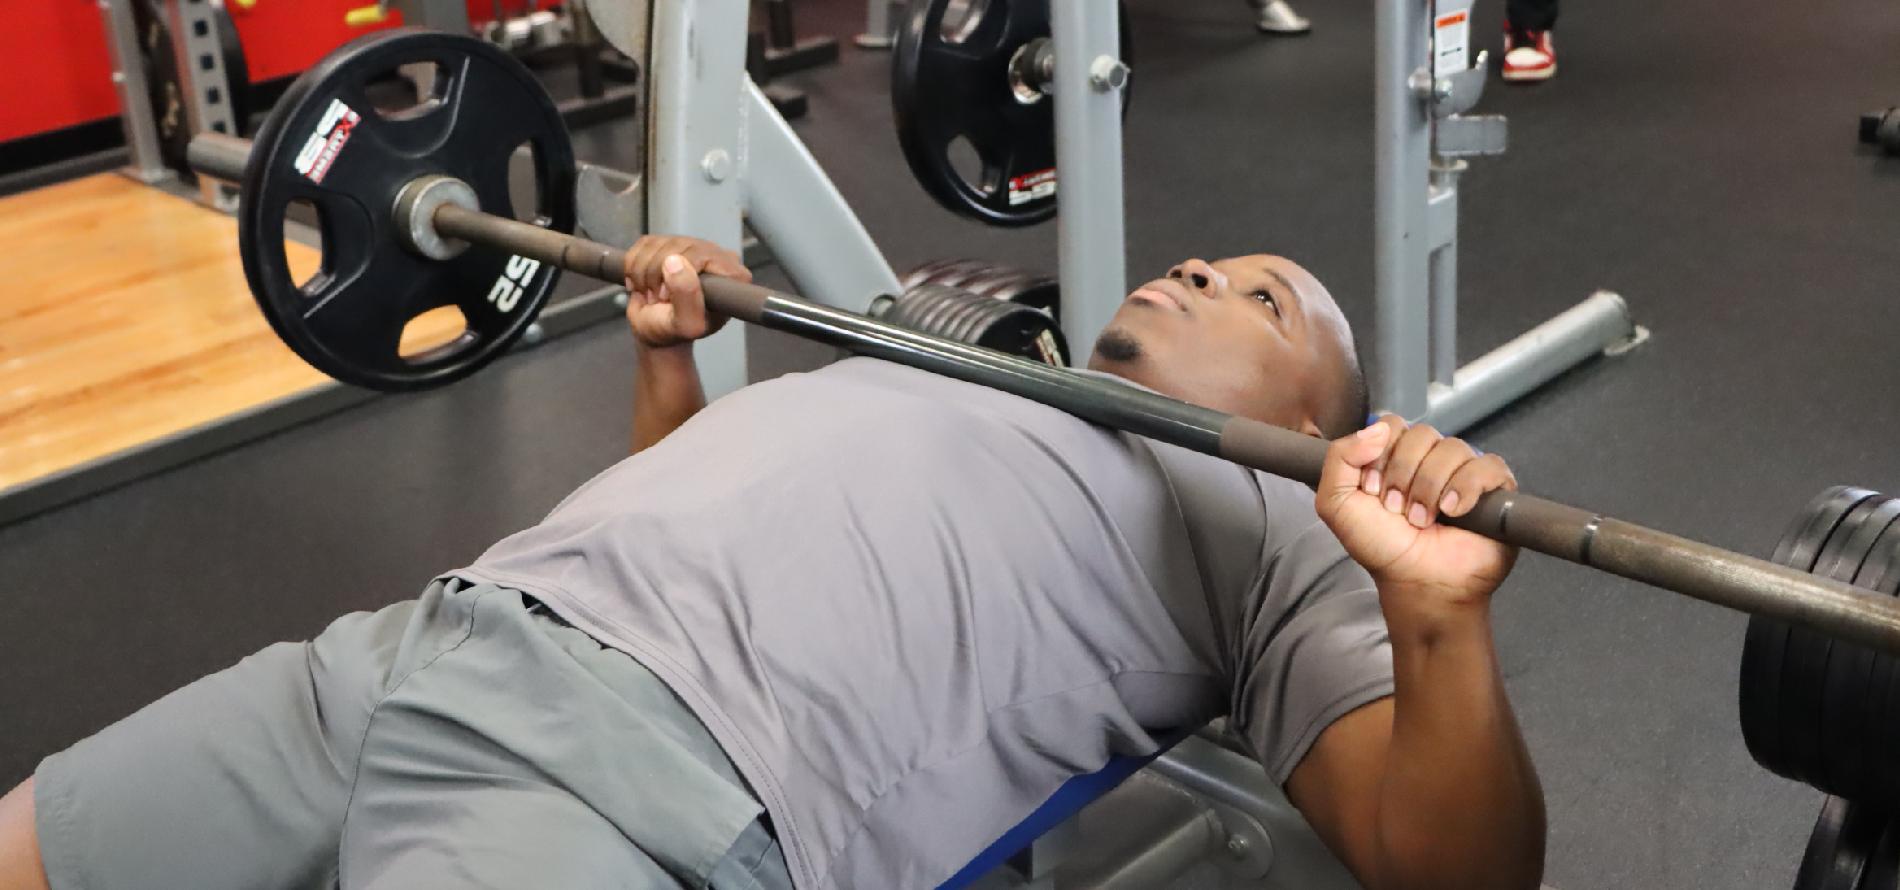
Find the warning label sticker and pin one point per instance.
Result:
(326, 141)
(1451, 44)
(1032, 186)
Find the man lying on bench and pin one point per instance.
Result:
(844, 628)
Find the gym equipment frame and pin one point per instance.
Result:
(1421, 137)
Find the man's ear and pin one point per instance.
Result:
(1310, 428)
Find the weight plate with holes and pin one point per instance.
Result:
(165, 87)
(1763, 649)
(1843, 841)
(329, 145)
(951, 84)
(1807, 656)
(1847, 720)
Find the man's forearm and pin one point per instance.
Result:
(1460, 805)
(666, 392)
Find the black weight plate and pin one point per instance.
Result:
(1036, 291)
(1827, 695)
(934, 316)
(327, 144)
(1763, 647)
(960, 324)
(1804, 660)
(1024, 281)
(1028, 333)
(165, 87)
(1007, 284)
(1844, 837)
(929, 306)
(1881, 772)
(956, 275)
(1761, 652)
(1869, 759)
(1846, 749)
(976, 325)
(1817, 859)
(928, 273)
(951, 83)
(988, 325)
(995, 278)
(1883, 870)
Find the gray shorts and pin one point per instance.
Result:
(465, 739)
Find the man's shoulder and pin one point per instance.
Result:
(1209, 480)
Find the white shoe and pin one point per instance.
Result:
(1278, 17)
(1529, 56)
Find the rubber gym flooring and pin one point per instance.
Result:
(1696, 156)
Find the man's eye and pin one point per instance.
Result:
(1267, 298)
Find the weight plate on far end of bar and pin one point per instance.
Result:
(979, 141)
(332, 145)
(1760, 702)
(166, 86)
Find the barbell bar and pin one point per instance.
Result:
(1688, 567)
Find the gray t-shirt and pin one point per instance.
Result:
(910, 608)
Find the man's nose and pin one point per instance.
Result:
(1198, 275)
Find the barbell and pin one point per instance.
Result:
(401, 198)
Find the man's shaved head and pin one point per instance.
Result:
(1256, 336)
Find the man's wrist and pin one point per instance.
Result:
(675, 354)
(1426, 615)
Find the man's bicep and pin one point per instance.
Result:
(1336, 785)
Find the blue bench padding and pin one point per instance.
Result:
(1066, 802)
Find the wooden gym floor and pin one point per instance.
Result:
(126, 319)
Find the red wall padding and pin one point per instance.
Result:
(59, 72)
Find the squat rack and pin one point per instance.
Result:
(1421, 136)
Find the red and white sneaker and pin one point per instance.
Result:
(1529, 56)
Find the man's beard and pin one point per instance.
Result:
(1117, 345)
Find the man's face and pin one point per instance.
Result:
(1256, 336)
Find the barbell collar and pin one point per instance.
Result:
(1692, 568)
(416, 205)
